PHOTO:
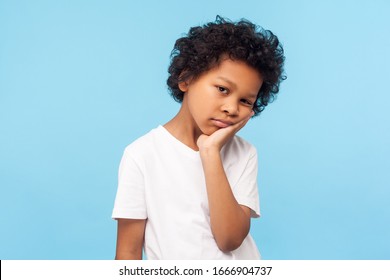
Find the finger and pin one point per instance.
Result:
(233, 129)
(236, 127)
(242, 123)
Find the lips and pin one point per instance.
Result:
(221, 123)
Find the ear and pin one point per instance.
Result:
(183, 81)
(183, 86)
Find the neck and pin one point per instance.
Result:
(184, 128)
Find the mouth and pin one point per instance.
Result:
(221, 123)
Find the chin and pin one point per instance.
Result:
(208, 131)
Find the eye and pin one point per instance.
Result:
(222, 90)
(247, 102)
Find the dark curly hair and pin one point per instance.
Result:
(204, 46)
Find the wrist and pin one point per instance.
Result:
(209, 151)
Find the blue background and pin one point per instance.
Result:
(79, 80)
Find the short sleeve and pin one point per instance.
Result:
(246, 189)
(130, 197)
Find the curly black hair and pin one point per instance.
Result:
(202, 48)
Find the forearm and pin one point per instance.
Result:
(229, 222)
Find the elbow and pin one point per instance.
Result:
(231, 236)
(227, 245)
(129, 256)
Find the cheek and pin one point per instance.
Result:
(246, 111)
(201, 105)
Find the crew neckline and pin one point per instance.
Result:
(178, 143)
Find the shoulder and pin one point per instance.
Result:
(143, 144)
(240, 147)
(239, 158)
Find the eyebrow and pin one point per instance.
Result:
(234, 85)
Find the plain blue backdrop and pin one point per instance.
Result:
(80, 80)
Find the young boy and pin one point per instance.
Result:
(188, 189)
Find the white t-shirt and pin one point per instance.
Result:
(162, 180)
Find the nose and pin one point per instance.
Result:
(230, 107)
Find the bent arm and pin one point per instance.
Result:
(130, 239)
(230, 221)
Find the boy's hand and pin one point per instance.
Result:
(216, 140)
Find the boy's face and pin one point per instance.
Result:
(221, 96)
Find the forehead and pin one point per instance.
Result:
(238, 73)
